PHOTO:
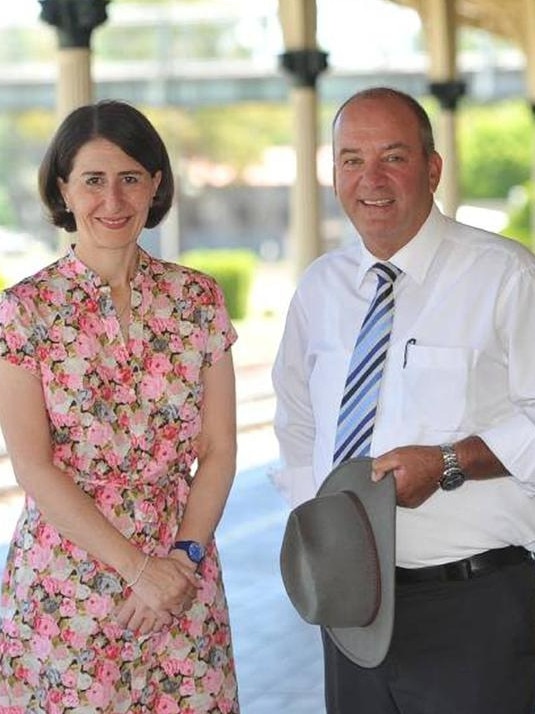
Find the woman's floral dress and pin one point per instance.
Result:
(124, 418)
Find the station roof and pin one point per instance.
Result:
(505, 18)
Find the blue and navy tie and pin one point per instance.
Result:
(361, 391)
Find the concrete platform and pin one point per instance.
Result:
(278, 655)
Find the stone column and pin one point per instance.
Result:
(448, 94)
(304, 62)
(75, 21)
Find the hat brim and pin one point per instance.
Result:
(367, 646)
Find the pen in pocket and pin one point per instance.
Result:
(410, 342)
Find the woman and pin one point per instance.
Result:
(116, 384)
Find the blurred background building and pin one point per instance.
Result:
(209, 74)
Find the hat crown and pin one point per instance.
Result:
(330, 563)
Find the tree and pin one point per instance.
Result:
(495, 148)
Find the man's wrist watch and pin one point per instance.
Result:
(194, 550)
(453, 476)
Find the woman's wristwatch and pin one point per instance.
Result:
(194, 550)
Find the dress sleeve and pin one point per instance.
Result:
(221, 332)
(19, 338)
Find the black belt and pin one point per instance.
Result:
(480, 564)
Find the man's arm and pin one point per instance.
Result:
(418, 469)
(294, 421)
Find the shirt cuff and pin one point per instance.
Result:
(296, 484)
(513, 443)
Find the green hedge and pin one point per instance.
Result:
(519, 215)
(495, 148)
(234, 271)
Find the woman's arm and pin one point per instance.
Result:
(25, 425)
(216, 453)
(210, 487)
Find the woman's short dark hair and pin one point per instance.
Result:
(122, 125)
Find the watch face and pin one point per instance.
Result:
(452, 479)
(195, 552)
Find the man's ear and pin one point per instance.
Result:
(435, 170)
(335, 189)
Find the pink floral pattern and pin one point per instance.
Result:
(125, 416)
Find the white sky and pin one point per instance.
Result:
(357, 25)
(19, 12)
(374, 33)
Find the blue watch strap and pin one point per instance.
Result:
(194, 550)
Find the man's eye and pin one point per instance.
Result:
(93, 180)
(394, 158)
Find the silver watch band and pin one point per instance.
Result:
(450, 457)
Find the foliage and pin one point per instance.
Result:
(23, 137)
(150, 2)
(519, 219)
(20, 44)
(234, 271)
(494, 148)
(238, 134)
(166, 42)
(7, 215)
(235, 135)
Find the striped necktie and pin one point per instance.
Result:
(361, 391)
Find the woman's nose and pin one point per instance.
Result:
(113, 197)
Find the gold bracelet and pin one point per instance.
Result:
(139, 572)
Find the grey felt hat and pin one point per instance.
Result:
(338, 560)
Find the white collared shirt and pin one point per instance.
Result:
(461, 361)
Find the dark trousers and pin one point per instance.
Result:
(463, 647)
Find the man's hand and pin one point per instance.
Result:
(417, 471)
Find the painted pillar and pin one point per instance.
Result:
(75, 21)
(529, 24)
(445, 86)
(304, 62)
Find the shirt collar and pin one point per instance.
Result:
(415, 258)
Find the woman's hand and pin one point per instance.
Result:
(165, 589)
(135, 615)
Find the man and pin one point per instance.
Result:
(454, 422)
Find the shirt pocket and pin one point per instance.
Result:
(436, 386)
